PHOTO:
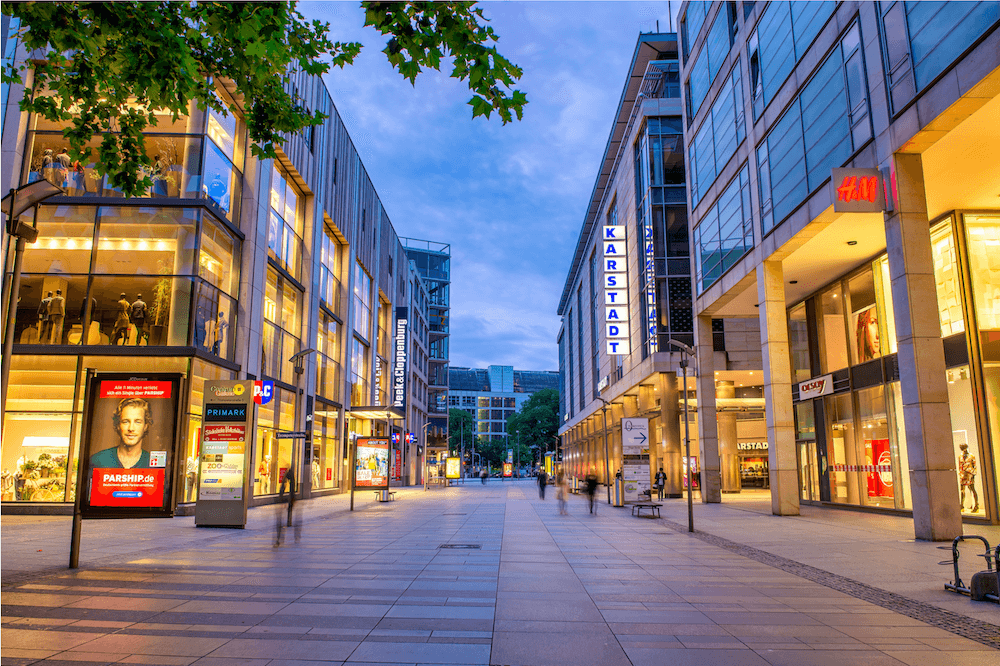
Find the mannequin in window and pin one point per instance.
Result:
(45, 328)
(264, 474)
(57, 314)
(122, 321)
(190, 477)
(138, 315)
(220, 333)
(967, 471)
(315, 473)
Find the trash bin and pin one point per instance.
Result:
(617, 494)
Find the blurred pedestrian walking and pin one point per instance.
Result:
(483, 475)
(561, 491)
(592, 489)
(543, 480)
(287, 518)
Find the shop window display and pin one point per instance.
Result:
(886, 311)
(968, 456)
(946, 279)
(326, 442)
(798, 343)
(866, 338)
(832, 336)
(273, 456)
(878, 455)
(897, 442)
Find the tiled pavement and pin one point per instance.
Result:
(376, 587)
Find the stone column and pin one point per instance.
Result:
(729, 461)
(671, 446)
(708, 443)
(777, 389)
(926, 414)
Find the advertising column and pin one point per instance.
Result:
(227, 430)
(129, 446)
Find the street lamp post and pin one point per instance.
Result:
(688, 354)
(298, 361)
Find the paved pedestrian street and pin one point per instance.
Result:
(488, 574)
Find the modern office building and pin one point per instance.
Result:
(491, 395)
(239, 264)
(628, 288)
(877, 289)
(432, 261)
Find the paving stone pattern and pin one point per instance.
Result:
(376, 587)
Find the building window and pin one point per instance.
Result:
(285, 224)
(784, 33)
(127, 275)
(720, 134)
(362, 302)
(692, 22)
(709, 61)
(823, 126)
(282, 326)
(725, 234)
(359, 373)
(328, 354)
(330, 270)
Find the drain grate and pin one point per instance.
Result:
(461, 546)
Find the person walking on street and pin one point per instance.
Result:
(543, 480)
(483, 475)
(561, 492)
(290, 520)
(661, 480)
(591, 481)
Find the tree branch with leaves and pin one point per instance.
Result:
(109, 68)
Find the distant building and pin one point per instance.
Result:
(493, 394)
(432, 261)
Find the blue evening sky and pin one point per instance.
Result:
(509, 199)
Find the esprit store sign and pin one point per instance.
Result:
(616, 327)
(860, 191)
(815, 388)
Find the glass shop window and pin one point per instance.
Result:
(866, 337)
(946, 279)
(832, 336)
(798, 343)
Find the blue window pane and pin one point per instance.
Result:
(808, 18)
(725, 234)
(704, 161)
(717, 44)
(693, 21)
(698, 83)
(787, 161)
(777, 54)
(825, 126)
(724, 123)
(941, 31)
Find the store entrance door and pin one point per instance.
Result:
(808, 472)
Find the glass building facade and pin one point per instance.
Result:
(830, 85)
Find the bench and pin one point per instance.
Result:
(652, 507)
(391, 495)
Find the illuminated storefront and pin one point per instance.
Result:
(857, 454)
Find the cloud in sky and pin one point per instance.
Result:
(509, 199)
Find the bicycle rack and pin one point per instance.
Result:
(957, 585)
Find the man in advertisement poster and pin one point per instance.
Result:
(131, 420)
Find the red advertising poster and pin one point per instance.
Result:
(879, 468)
(329, 474)
(127, 488)
(508, 469)
(129, 445)
(397, 465)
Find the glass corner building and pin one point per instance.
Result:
(224, 268)
(878, 330)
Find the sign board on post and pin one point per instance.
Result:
(129, 446)
(226, 444)
(635, 458)
(371, 463)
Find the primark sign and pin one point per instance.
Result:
(616, 310)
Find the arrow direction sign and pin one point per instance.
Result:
(635, 436)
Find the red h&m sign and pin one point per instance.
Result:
(859, 191)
